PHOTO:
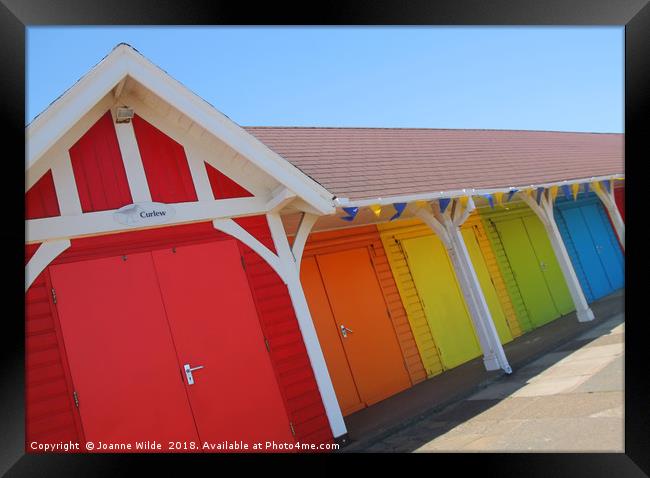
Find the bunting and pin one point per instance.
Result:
(499, 198)
(567, 191)
(490, 199)
(596, 186)
(352, 213)
(511, 194)
(586, 188)
(575, 189)
(538, 195)
(608, 185)
(376, 209)
(553, 193)
(444, 202)
(399, 207)
(463, 201)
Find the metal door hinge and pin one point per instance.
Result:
(293, 430)
(76, 399)
(53, 295)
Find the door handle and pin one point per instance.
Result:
(188, 372)
(345, 330)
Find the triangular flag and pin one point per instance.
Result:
(463, 201)
(586, 188)
(511, 193)
(376, 209)
(575, 189)
(490, 199)
(499, 197)
(596, 186)
(553, 192)
(608, 185)
(399, 207)
(566, 190)
(352, 211)
(538, 195)
(444, 202)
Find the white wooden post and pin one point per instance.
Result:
(609, 202)
(545, 213)
(307, 329)
(494, 357)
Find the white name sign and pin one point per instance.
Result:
(144, 214)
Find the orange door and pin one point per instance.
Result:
(362, 325)
(329, 338)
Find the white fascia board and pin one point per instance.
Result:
(124, 61)
(430, 196)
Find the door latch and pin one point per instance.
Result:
(345, 330)
(188, 372)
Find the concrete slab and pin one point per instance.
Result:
(555, 434)
(607, 339)
(610, 378)
(507, 408)
(498, 391)
(572, 405)
(611, 350)
(573, 368)
(550, 386)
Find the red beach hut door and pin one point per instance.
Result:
(121, 355)
(132, 323)
(235, 396)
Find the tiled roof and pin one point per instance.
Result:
(359, 163)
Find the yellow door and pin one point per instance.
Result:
(489, 292)
(444, 305)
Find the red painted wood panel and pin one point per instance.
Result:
(223, 187)
(619, 195)
(122, 356)
(40, 200)
(215, 325)
(50, 413)
(275, 310)
(280, 327)
(165, 164)
(98, 168)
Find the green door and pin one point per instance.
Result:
(444, 305)
(527, 271)
(549, 265)
(490, 293)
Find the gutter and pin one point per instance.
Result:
(429, 196)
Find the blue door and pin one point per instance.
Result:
(592, 245)
(606, 244)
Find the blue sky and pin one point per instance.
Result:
(546, 78)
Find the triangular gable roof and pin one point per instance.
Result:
(48, 127)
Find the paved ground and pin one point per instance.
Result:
(570, 399)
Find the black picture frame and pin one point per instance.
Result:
(16, 15)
